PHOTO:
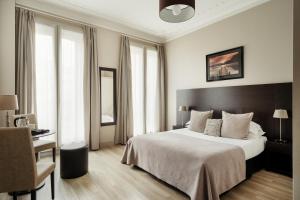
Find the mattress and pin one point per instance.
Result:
(252, 146)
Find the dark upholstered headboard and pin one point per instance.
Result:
(260, 99)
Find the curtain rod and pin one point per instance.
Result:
(41, 12)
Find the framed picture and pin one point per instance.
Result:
(224, 65)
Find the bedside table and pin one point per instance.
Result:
(177, 127)
(279, 157)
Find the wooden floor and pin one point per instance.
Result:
(111, 180)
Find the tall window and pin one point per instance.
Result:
(144, 62)
(59, 75)
(46, 79)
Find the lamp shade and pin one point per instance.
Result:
(9, 102)
(280, 113)
(176, 11)
(183, 108)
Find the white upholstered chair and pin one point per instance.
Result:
(19, 170)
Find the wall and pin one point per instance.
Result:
(7, 50)
(108, 56)
(296, 101)
(264, 31)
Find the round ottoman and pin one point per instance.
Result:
(73, 160)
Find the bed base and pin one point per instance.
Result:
(254, 164)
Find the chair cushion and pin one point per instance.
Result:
(44, 169)
(42, 145)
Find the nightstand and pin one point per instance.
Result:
(279, 157)
(177, 127)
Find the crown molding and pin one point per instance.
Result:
(89, 19)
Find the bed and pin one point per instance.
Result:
(201, 166)
(204, 166)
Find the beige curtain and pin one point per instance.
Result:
(124, 128)
(91, 88)
(161, 88)
(25, 61)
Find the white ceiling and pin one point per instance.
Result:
(143, 15)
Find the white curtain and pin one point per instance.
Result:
(71, 101)
(46, 80)
(148, 89)
(137, 61)
(59, 77)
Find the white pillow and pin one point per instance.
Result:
(188, 123)
(236, 125)
(256, 129)
(198, 120)
(213, 127)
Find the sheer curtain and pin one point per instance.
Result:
(152, 107)
(46, 94)
(71, 106)
(145, 89)
(59, 77)
(137, 63)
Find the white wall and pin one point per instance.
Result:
(7, 50)
(266, 32)
(108, 55)
(296, 102)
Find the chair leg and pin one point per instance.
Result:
(33, 195)
(52, 186)
(15, 197)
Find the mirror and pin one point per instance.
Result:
(108, 96)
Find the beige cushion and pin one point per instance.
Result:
(42, 145)
(213, 127)
(236, 125)
(44, 169)
(198, 120)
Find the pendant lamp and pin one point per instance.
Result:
(176, 11)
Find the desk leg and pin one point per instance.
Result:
(54, 154)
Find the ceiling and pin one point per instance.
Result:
(143, 15)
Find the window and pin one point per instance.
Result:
(59, 76)
(144, 63)
(46, 80)
(71, 87)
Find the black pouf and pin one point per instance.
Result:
(73, 160)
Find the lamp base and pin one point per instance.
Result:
(281, 141)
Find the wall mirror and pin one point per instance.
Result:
(108, 96)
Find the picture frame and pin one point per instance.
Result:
(225, 65)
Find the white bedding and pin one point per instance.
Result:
(252, 147)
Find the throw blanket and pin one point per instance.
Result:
(202, 169)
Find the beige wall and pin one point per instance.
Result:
(265, 32)
(7, 50)
(109, 46)
(296, 101)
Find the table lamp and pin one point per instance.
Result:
(280, 114)
(182, 109)
(8, 102)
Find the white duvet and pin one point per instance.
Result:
(252, 146)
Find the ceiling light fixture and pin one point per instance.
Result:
(176, 11)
